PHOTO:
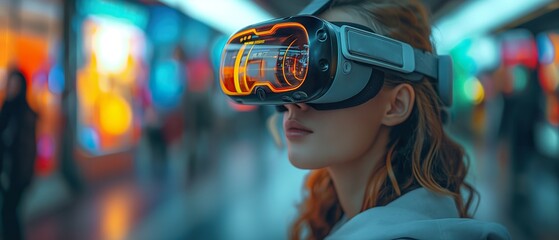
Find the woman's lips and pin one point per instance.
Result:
(295, 130)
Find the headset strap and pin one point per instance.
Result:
(426, 64)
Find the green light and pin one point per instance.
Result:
(520, 75)
(463, 70)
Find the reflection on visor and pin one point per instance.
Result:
(276, 58)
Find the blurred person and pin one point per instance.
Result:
(17, 130)
(154, 134)
(521, 114)
(199, 119)
(160, 109)
(382, 165)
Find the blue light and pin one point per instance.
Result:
(217, 50)
(477, 18)
(89, 139)
(56, 79)
(165, 25)
(485, 53)
(166, 85)
(225, 16)
(545, 49)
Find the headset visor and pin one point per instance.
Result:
(274, 56)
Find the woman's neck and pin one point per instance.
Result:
(351, 178)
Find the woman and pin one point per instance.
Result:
(17, 131)
(384, 169)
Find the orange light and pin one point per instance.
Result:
(554, 38)
(116, 215)
(245, 68)
(6, 53)
(236, 69)
(237, 64)
(549, 77)
(115, 114)
(295, 72)
(283, 63)
(553, 110)
(88, 84)
(31, 53)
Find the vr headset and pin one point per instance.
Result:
(328, 65)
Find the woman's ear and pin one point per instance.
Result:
(400, 104)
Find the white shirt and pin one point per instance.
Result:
(419, 214)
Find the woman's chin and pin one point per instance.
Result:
(305, 163)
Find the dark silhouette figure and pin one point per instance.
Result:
(17, 152)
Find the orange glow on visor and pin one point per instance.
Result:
(276, 58)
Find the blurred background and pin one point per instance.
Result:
(135, 140)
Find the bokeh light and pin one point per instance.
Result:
(520, 75)
(112, 65)
(166, 85)
(484, 51)
(115, 114)
(165, 26)
(45, 147)
(474, 90)
(45, 154)
(546, 49)
(116, 212)
(552, 111)
(111, 43)
(56, 79)
(547, 139)
(199, 75)
(549, 77)
(89, 139)
(519, 47)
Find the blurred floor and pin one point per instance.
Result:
(249, 191)
(241, 187)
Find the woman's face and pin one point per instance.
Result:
(317, 139)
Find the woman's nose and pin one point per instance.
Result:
(297, 107)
